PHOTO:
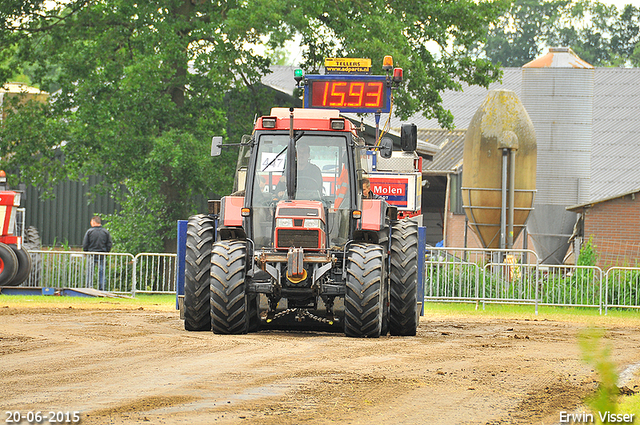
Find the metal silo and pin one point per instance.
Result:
(500, 123)
(557, 91)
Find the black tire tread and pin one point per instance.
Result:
(24, 265)
(200, 233)
(363, 297)
(403, 315)
(229, 304)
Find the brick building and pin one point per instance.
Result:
(613, 226)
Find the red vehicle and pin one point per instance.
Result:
(297, 240)
(318, 253)
(15, 261)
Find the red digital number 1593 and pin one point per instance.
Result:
(348, 94)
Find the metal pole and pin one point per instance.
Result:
(512, 184)
(181, 252)
(503, 208)
(525, 244)
(466, 241)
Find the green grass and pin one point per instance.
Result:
(528, 311)
(631, 404)
(466, 309)
(141, 300)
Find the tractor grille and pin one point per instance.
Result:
(287, 238)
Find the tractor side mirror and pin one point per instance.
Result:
(216, 145)
(409, 137)
(386, 147)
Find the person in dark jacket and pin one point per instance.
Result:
(96, 239)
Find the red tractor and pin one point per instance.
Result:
(298, 241)
(15, 261)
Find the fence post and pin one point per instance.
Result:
(477, 271)
(181, 252)
(537, 283)
(606, 293)
(134, 284)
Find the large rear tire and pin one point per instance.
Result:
(403, 309)
(24, 266)
(196, 283)
(230, 309)
(363, 297)
(8, 264)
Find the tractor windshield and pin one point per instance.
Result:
(322, 175)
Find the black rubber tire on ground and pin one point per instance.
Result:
(197, 273)
(8, 264)
(230, 310)
(24, 266)
(385, 307)
(383, 240)
(363, 298)
(403, 309)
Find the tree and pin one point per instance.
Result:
(599, 34)
(431, 40)
(519, 35)
(140, 87)
(626, 33)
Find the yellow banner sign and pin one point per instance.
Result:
(347, 66)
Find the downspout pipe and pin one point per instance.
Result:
(512, 185)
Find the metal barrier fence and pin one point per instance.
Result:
(516, 276)
(451, 274)
(571, 286)
(155, 273)
(622, 288)
(466, 274)
(112, 272)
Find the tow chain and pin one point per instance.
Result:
(301, 314)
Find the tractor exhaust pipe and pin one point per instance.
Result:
(292, 169)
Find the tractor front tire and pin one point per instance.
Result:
(403, 308)
(230, 309)
(363, 302)
(8, 264)
(24, 266)
(197, 264)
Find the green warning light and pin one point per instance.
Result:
(298, 75)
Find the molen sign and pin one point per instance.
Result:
(398, 191)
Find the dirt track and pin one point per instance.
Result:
(140, 366)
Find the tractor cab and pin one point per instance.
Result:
(315, 208)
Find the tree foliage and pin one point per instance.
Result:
(138, 88)
(601, 35)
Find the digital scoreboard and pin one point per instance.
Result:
(348, 93)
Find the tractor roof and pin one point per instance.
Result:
(304, 119)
